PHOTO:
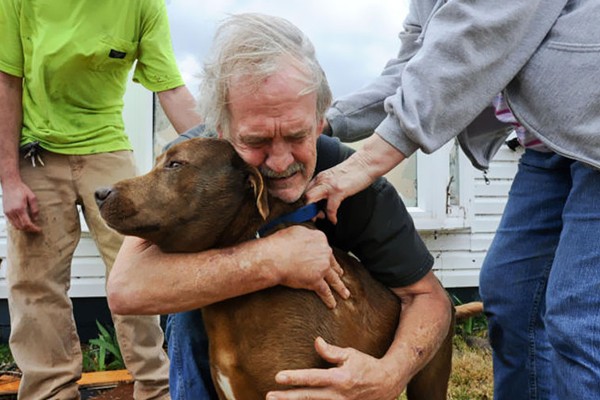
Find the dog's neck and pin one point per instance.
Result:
(248, 221)
(285, 214)
(301, 215)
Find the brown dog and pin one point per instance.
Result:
(202, 195)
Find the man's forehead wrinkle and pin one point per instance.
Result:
(289, 70)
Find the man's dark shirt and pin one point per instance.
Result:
(374, 225)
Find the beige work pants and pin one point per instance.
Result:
(43, 338)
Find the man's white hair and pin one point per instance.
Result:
(253, 47)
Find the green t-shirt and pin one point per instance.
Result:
(74, 57)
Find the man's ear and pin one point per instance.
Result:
(321, 126)
(260, 194)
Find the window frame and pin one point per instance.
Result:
(433, 177)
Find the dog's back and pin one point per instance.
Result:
(255, 336)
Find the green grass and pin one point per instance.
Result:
(472, 375)
(103, 353)
(5, 355)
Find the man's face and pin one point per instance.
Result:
(276, 130)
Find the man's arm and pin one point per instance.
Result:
(180, 107)
(11, 116)
(424, 324)
(145, 280)
(19, 202)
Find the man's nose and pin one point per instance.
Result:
(280, 157)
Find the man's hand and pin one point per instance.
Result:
(20, 206)
(355, 376)
(424, 324)
(307, 262)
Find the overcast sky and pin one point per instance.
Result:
(353, 38)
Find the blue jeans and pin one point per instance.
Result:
(187, 344)
(540, 283)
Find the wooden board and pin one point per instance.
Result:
(9, 384)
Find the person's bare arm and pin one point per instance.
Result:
(374, 159)
(424, 323)
(144, 280)
(19, 202)
(180, 108)
(11, 116)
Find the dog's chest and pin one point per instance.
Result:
(225, 385)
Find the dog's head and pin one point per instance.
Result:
(190, 200)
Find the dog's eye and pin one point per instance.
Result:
(174, 164)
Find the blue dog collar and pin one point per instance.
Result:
(303, 214)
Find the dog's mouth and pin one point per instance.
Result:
(135, 230)
(140, 230)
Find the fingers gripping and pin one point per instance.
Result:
(330, 353)
(324, 292)
(334, 279)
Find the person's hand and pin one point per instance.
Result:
(356, 173)
(306, 261)
(336, 184)
(20, 207)
(355, 376)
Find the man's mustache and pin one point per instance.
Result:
(289, 171)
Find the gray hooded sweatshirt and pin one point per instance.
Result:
(456, 55)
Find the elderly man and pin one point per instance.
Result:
(264, 90)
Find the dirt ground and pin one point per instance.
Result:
(121, 392)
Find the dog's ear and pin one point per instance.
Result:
(258, 185)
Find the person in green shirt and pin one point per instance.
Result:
(63, 72)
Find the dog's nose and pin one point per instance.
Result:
(101, 195)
